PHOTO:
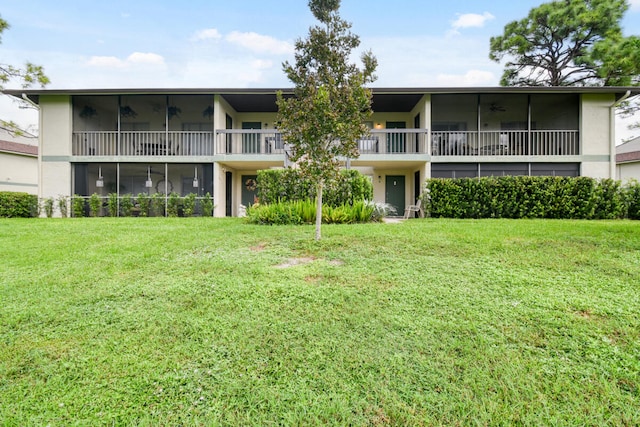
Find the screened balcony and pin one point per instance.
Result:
(270, 141)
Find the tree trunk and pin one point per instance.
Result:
(318, 210)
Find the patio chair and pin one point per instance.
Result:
(414, 208)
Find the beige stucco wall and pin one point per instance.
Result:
(627, 171)
(55, 146)
(595, 135)
(18, 173)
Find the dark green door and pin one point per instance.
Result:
(394, 193)
(251, 141)
(396, 142)
(248, 197)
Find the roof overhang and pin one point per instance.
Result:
(384, 99)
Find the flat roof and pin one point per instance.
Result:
(385, 99)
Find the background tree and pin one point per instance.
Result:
(569, 42)
(326, 116)
(28, 76)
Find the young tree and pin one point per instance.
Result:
(28, 76)
(326, 115)
(569, 42)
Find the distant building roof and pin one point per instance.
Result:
(18, 148)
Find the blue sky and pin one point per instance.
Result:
(197, 43)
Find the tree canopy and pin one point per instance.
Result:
(27, 76)
(326, 115)
(569, 42)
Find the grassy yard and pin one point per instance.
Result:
(201, 321)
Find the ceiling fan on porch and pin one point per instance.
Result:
(494, 107)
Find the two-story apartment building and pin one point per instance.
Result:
(215, 140)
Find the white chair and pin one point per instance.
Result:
(414, 208)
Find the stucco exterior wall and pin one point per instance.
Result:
(18, 173)
(55, 146)
(627, 171)
(596, 147)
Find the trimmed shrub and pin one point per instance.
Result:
(95, 205)
(632, 196)
(63, 206)
(126, 204)
(189, 204)
(48, 206)
(527, 197)
(173, 205)
(157, 204)
(207, 205)
(144, 202)
(77, 206)
(112, 204)
(18, 205)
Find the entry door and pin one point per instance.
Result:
(248, 190)
(396, 142)
(251, 141)
(228, 187)
(394, 192)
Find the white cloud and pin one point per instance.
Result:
(635, 5)
(133, 59)
(145, 58)
(470, 78)
(106, 62)
(260, 43)
(471, 20)
(208, 34)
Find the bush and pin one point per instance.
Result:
(95, 205)
(112, 204)
(144, 202)
(126, 204)
(173, 205)
(77, 206)
(207, 205)
(189, 204)
(63, 206)
(274, 185)
(632, 198)
(18, 205)
(48, 206)
(527, 197)
(157, 204)
(304, 212)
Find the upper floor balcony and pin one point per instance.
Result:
(379, 142)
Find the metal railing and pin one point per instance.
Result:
(269, 141)
(506, 143)
(142, 143)
(383, 141)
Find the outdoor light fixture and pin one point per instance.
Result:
(195, 177)
(149, 183)
(100, 180)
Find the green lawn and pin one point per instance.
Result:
(201, 321)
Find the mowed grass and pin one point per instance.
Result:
(201, 321)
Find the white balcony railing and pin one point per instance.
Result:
(506, 143)
(138, 143)
(384, 141)
(269, 141)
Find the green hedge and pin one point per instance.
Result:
(276, 185)
(531, 197)
(18, 205)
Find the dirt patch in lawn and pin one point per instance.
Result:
(291, 262)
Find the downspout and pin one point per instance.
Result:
(612, 133)
(26, 98)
